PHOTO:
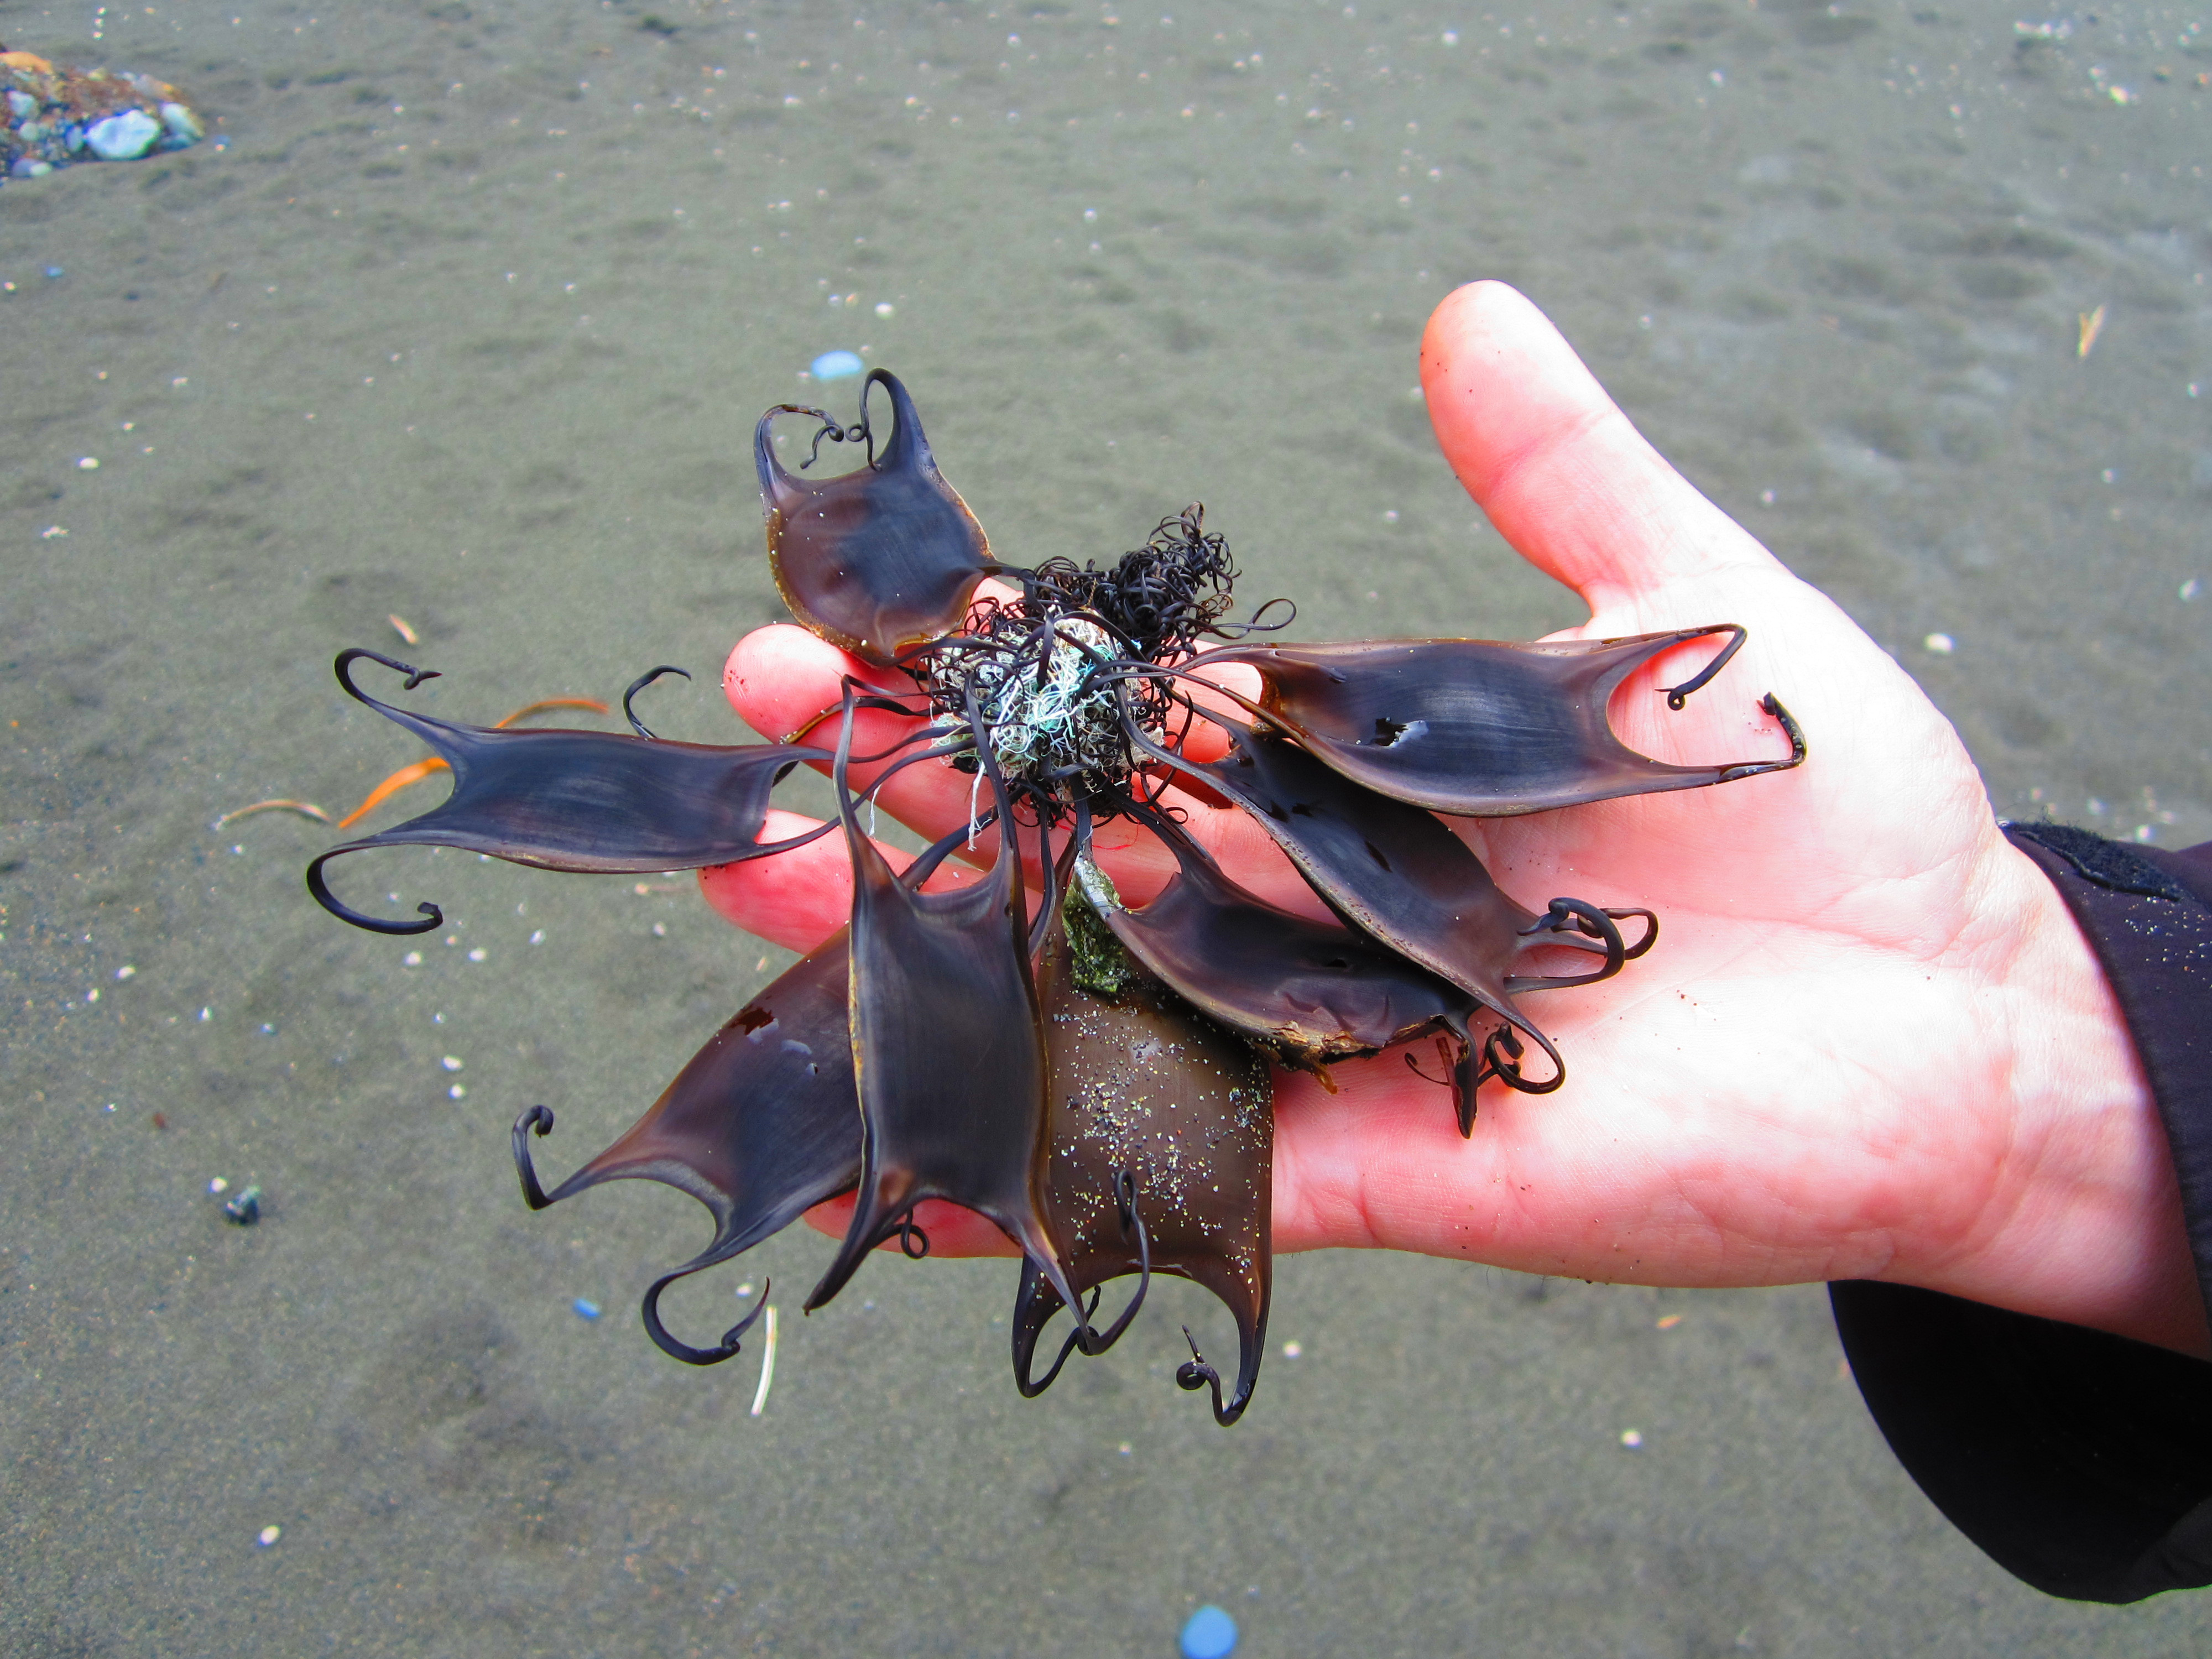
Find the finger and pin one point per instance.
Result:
(779, 678)
(1555, 464)
(951, 1229)
(799, 898)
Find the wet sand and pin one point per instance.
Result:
(469, 324)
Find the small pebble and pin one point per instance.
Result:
(1209, 1633)
(451, 1062)
(126, 971)
(884, 308)
(218, 1186)
(836, 366)
(88, 464)
(2191, 588)
(1941, 644)
(459, 1092)
(1632, 1438)
(1292, 1350)
(585, 1309)
(478, 954)
(268, 1535)
(123, 137)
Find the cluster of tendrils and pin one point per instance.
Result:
(1062, 676)
(1161, 598)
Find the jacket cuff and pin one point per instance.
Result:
(2079, 1462)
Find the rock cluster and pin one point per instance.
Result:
(50, 117)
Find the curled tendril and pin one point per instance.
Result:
(1677, 696)
(1501, 1059)
(1445, 1058)
(675, 1347)
(538, 1121)
(1092, 1342)
(1194, 1373)
(346, 659)
(638, 684)
(1085, 1338)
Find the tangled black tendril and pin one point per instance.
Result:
(1065, 673)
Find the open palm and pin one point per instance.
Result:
(1869, 1043)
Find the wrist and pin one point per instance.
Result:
(2086, 1224)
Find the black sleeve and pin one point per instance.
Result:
(2079, 1462)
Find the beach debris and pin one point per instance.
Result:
(1209, 1633)
(768, 1364)
(52, 117)
(2092, 324)
(245, 1210)
(305, 809)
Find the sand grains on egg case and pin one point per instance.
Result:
(1093, 1075)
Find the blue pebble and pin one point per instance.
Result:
(53, 271)
(1209, 1634)
(836, 365)
(591, 1310)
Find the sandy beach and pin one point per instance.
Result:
(463, 317)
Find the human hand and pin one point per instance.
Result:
(1871, 1042)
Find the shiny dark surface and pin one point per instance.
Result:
(1388, 868)
(1312, 991)
(581, 801)
(1479, 727)
(881, 557)
(760, 1125)
(949, 1056)
(1140, 1084)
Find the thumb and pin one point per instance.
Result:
(1555, 464)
